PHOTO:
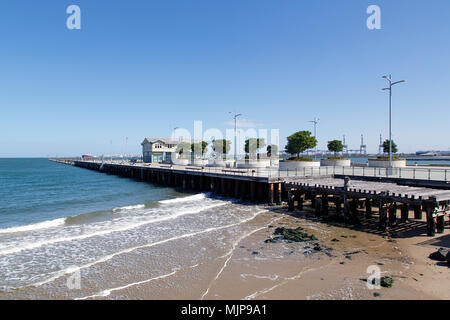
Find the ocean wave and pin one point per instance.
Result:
(128, 208)
(35, 226)
(106, 258)
(195, 197)
(34, 245)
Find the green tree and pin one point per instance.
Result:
(252, 145)
(300, 142)
(221, 147)
(272, 149)
(335, 146)
(199, 148)
(386, 146)
(183, 149)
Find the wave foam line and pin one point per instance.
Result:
(35, 245)
(128, 208)
(195, 197)
(285, 280)
(35, 226)
(108, 292)
(61, 273)
(229, 255)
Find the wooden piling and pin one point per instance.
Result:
(431, 224)
(404, 213)
(271, 194)
(278, 193)
(418, 212)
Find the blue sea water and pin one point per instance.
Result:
(37, 190)
(57, 221)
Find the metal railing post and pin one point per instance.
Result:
(429, 174)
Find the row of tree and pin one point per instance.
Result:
(297, 143)
(301, 141)
(222, 147)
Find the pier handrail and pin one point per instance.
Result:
(412, 173)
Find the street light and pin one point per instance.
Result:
(235, 116)
(389, 79)
(315, 121)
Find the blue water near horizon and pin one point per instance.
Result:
(38, 190)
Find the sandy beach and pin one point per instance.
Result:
(279, 271)
(255, 269)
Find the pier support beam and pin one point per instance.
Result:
(299, 197)
(346, 210)
(383, 219)
(431, 224)
(393, 214)
(318, 206)
(440, 224)
(183, 182)
(270, 195)
(236, 188)
(325, 205)
(338, 205)
(252, 190)
(278, 193)
(368, 207)
(418, 212)
(404, 213)
(291, 198)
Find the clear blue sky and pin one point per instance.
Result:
(139, 68)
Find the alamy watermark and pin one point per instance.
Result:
(374, 278)
(74, 280)
(374, 20)
(73, 22)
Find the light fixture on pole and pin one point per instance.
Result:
(235, 116)
(389, 79)
(315, 121)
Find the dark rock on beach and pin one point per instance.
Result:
(387, 282)
(440, 255)
(294, 235)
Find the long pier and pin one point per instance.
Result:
(247, 184)
(344, 194)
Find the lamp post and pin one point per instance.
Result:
(315, 121)
(235, 116)
(389, 79)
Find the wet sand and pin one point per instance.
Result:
(280, 270)
(254, 269)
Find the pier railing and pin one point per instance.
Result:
(416, 173)
(430, 174)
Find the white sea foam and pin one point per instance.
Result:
(133, 225)
(129, 208)
(63, 272)
(195, 197)
(107, 292)
(35, 226)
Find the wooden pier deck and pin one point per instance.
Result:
(347, 195)
(273, 187)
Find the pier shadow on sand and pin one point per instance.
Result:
(410, 228)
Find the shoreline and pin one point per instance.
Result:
(239, 263)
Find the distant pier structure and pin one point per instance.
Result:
(347, 197)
